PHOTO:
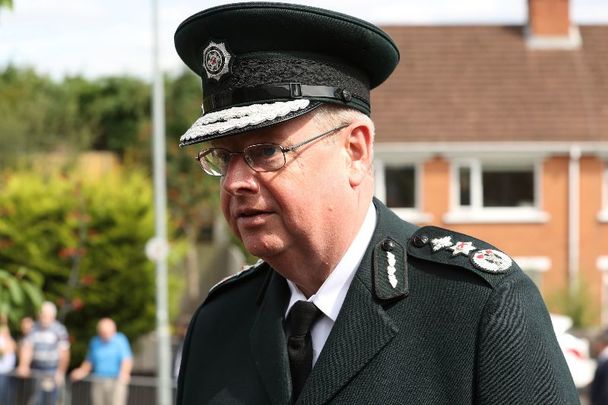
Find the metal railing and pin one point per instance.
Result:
(141, 391)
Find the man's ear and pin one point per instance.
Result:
(359, 146)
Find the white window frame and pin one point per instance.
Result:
(602, 266)
(414, 215)
(602, 216)
(476, 212)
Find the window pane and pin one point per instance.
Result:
(400, 187)
(508, 187)
(464, 180)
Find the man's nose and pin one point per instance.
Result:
(239, 177)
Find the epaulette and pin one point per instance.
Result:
(241, 275)
(456, 249)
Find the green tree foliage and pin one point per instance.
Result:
(115, 109)
(575, 302)
(193, 195)
(86, 238)
(20, 294)
(40, 115)
(37, 115)
(6, 3)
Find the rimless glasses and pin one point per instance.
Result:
(260, 157)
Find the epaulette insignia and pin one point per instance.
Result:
(390, 270)
(491, 260)
(462, 248)
(440, 243)
(245, 270)
(458, 249)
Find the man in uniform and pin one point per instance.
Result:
(349, 304)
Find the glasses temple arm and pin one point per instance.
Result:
(297, 145)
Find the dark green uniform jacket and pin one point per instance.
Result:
(440, 331)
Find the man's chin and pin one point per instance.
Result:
(261, 248)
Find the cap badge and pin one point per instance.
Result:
(440, 243)
(491, 261)
(462, 248)
(216, 60)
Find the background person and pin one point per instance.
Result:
(25, 327)
(599, 386)
(7, 362)
(110, 360)
(45, 355)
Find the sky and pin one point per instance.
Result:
(97, 38)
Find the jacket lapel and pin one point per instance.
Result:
(268, 345)
(362, 328)
(360, 332)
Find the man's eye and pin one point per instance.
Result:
(263, 151)
(221, 156)
(268, 150)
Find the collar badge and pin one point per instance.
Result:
(216, 60)
(391, 270)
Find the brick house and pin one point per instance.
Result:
(502, 132)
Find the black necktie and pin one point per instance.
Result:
(299, 344)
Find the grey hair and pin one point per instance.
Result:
(337, 115)
(49, 306)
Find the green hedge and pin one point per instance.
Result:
(86, 239)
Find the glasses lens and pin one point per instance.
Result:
(214, 161)
(264, 157)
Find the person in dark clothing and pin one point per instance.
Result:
(599, 385)
(349, 304)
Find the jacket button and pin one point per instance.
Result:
(346, 96)
(388, 245)
(420, 240)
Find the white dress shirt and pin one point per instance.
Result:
(330, 296)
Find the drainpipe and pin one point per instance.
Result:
(573, 217)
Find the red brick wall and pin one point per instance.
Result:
(545, 239)
(548, 239)
(549, 17)
(593, 234)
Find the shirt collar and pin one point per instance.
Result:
(331, 294)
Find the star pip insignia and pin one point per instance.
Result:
(462, 248)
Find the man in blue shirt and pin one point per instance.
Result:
(110, 360)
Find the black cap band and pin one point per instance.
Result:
(282, 92)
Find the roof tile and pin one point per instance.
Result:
(481, 83)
